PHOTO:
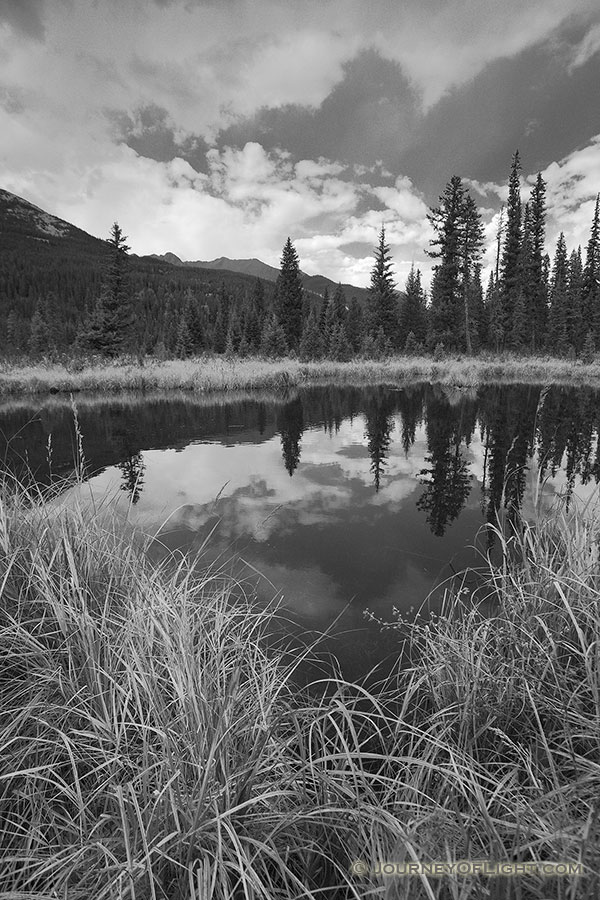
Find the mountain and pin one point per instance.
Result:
(51, 277)
(316, 284)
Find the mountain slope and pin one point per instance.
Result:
(314, 283)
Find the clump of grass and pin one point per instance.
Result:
(151, 747)
(219, 373)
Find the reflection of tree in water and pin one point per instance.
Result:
(568, 422)
(410, 405)
(132, 476)
(290, 424)
(449, 481)
(379, 408)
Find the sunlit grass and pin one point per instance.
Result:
(151, 746)
(218, 373)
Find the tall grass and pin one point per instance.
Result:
(151, 747)
(221, 373)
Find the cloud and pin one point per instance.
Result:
(24, 17)
(117, 111)
(588, 47)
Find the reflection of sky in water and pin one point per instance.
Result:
(323, 539)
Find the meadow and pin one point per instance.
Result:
(152, 747)
(219, 373)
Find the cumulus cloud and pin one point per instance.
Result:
(99, 69)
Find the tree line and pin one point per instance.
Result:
(530, 304)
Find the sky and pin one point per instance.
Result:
(213, 128)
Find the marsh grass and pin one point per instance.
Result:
(152, 747)
(219, 373)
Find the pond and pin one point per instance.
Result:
(341, 498)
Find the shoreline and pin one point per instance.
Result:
(213, 374)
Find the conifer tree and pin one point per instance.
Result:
(289, 296)
(339, 346)
(109, 329)
(458, 238)
(383, 298)
(576, 326)
(591, 277)
(354, 325)
(510, 265)
(413, 314)
(273, 343)
(38, 333)
(311, 344)
(557, 339)
(183, 347)
(536, 289)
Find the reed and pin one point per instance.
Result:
(207, 374)
(152, 747)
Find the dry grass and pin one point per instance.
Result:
(208, 374)
(150, 747)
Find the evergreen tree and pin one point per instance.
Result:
(493, 315)
(38, 333)
(472, 245)
(591, 277)
(383, 299)
(510, 266)
(323, 311)
(536, 289)
(311, 344)
(557, 338)
(459, 239)
(194, 320)
(339, 346)
(183, 347)
(477, 312)
(289, 296)
(576, 325)
(354, 325)
(111, 322)
(413, 314)
(273, 343)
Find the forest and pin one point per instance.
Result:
(119, 304)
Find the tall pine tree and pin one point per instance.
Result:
(289, 296)
(108, 331)
(383, 298)
(510, 282)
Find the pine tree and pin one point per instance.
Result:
(339, 347)
(458, 238)
(536, 290)
(472, 245)
(311, 344)
(183, 347)
(38, 333)
(273, 343)
(413, 314)
(111, 322)
(289, 296)
(354, 325)
(591, 276)
(383, 298)
(510, 268)
(588, 351)
(557, 338)
(576, 325)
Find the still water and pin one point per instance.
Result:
(341, 498)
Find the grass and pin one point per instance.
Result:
(204, 374)
(151, 747)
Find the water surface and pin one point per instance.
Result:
(341, 498)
